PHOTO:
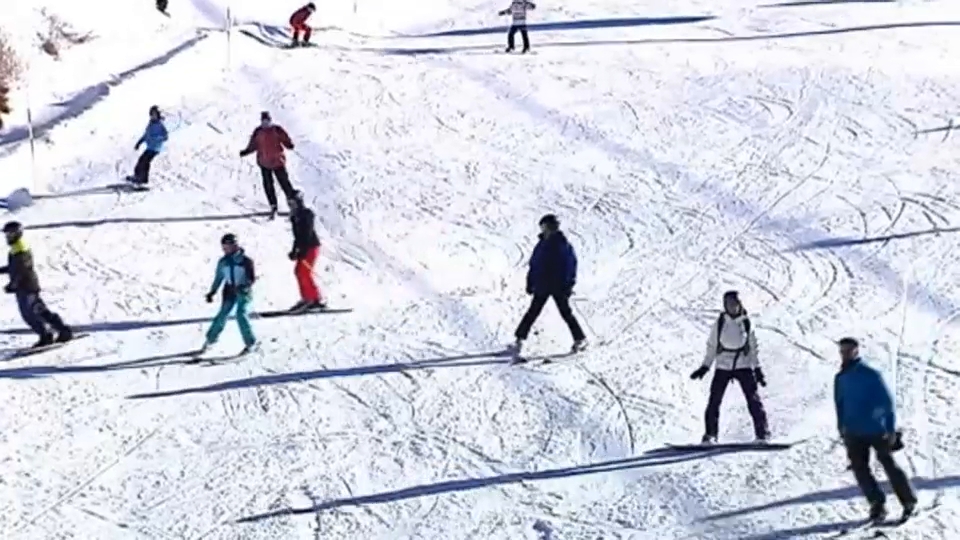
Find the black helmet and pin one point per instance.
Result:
(155, 110)
(550, 221)
(311, 6)
(229, 238)
(12, 227)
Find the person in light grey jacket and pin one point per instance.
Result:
(732, 345)
(518, 10)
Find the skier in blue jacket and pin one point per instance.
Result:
(154, 136)
(235, 271)
(866, 419)
(552, 274)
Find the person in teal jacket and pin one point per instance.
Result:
(235, 271)
(867, 420)
(154, 136)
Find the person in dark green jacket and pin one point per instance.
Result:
(867, 420)
(25, 285)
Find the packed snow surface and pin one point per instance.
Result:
(803, 153)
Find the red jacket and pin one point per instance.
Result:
(269, 142)
(300, 16)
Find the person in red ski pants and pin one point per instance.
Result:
(299, 23)
(306, 251)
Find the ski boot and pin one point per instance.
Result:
(46, 340)
(273, 213)
(578, 346)
(319, 305)
(878, 513)
(515, 349)
(300, 307)
(508, 50)
(708, 439)
(253, 347)
(525, 50)
(909, 509)
(65, 335)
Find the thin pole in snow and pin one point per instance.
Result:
(33, 149)
(228, 26)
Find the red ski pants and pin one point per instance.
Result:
(309, 291)
(301, 28)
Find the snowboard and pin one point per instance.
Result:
(752, 445)
(132, 184)
(198, 357)
(288, 313)
(540, 359)
(30, 351)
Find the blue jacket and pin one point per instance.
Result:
(864, 403)
(154, 136)
(235, 272)
(553, 266)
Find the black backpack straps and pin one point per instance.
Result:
(720, 322)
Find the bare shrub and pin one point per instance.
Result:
(9, 71)
(59, 33)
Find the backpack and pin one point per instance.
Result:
(746, 328)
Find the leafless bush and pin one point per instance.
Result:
(9, 71)
(9, 61)
(59, 33)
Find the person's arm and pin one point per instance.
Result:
(252, 145)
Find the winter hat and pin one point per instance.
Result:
(12, 227)
(265, 115)
(550, 221)
(229, 238)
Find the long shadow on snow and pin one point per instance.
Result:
(588, 24)
(466, 360)
(470, 484)
(828, 243)
(825, 3)
(411, 51)
(132, 220)
(118, 326)
(90, 96)
(109, 189)
(806, 531)
(32, 372)
(830, 495)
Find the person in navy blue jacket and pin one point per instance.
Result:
(154, 136)
(866, 419)
(552, 274)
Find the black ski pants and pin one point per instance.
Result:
(37, 315)
(858, 450)
(518, 27)
(536, 306)
(282, 178)
(748, 383)
(142, 169)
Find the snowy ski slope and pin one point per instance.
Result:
(804, 154)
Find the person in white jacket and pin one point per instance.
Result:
(518, 10)
(732, 345)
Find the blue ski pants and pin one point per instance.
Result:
(242, 304)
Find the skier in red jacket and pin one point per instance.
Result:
(299, 23)
(268, 141)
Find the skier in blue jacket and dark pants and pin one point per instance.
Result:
(866, 419)
(154, 136)
(236, 273)
(552, 274)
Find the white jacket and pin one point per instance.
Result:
(727, 349)
(518, 9)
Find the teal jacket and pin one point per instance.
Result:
(235, 272)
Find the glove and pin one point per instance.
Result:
(529, 289)
(758, 374)
(137, 146)
(700, 372)
(895, 440)
(292, 255)
(244, 153)
(210, 298)
(9, 288)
